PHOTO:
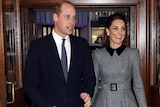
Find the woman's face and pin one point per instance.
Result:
(117, 33)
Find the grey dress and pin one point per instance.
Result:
(116, 75)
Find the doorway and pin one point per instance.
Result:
(27, 34)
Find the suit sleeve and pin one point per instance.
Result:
(88, 73)
(137, 79)
(31, 78)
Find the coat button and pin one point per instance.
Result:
(65, 100)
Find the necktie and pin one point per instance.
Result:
(64, 60)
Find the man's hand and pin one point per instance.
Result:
(86, 98)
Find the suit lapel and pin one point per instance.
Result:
(72, 46)
(53, 48)
(55, 56)
(73, 53)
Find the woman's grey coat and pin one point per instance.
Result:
(123, 70)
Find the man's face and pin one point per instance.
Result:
(65, 21)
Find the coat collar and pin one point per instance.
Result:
(118, 50)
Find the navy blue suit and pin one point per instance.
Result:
(44, 82)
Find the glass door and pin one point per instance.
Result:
(13, 56)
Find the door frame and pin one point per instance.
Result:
(142, 33)
(18, 93)
(2, 61)
(141, 36)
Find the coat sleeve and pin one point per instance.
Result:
(137, 79)
(31, 78)
(96, 69)
(89, 79)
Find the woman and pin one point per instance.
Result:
(118, 69)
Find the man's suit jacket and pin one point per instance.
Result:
(44, 82)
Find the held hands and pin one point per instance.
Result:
(86, 98)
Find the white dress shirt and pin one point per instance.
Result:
(58, 41)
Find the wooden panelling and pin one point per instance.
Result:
(2, 68)
(153, 43)
(158, 4)
(38, 2)
(155, 98)
(8, 2)
(80, 2)
(141, 41)
(104, 2)
(19, 97)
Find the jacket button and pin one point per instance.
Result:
(65, 100)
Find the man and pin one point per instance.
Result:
(45, 82)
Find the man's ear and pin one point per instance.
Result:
(55, 17)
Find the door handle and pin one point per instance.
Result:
(12, 91)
